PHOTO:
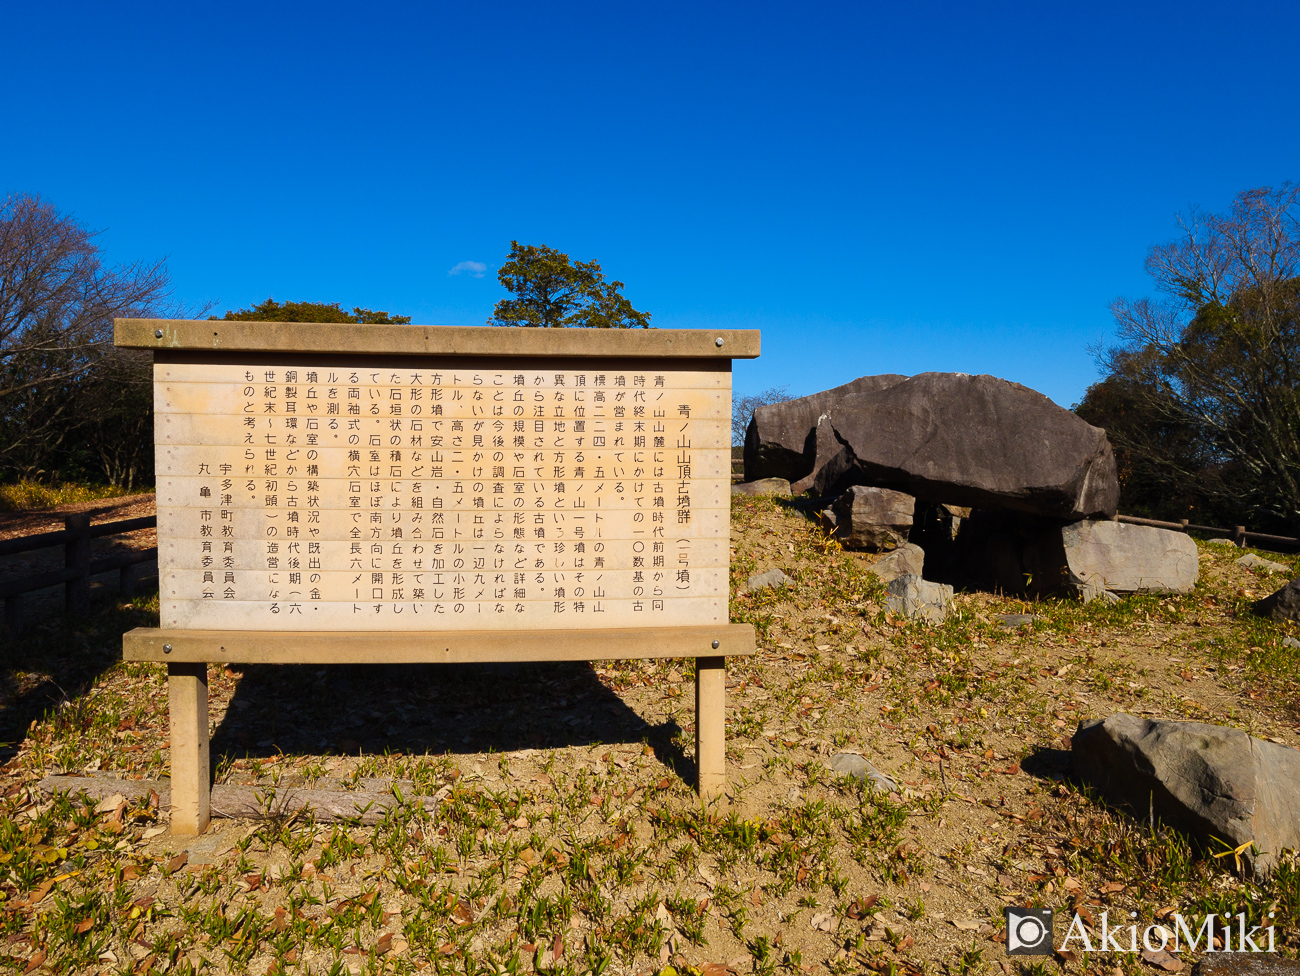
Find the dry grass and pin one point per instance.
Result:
(31, 496)
(566, 838)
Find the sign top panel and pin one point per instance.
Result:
(437, 340)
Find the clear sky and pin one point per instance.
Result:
(878, 187)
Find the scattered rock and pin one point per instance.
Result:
(852, 764)
(764, 486)
(907, 560)
(779, 442)
(1222, 542)
(873, 518)
(1014, 621)
(1284, 604)
(1245, 964)
(773, 577)
(1089, 592)
(1205, 780)
(1127, 558)
(919, 599)
(1251, 561)
(966, 440)
(1290, 642)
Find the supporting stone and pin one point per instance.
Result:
(187, 694)
(711, 725)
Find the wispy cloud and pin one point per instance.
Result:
(474, 269)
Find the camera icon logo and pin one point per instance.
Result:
(1029, 931)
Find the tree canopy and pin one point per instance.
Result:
(553, 292)
(1201, 396)
(70, 402)
(273, 311)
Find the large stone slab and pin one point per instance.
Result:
(764, 486)
(964, 440)
(1207, 781)
(873, 518)
(779, 442)
(1125, 558)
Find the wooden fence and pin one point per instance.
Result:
(78, 567)
(1239, 536)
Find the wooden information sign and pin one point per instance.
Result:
(394, 494)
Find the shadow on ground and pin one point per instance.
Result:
(1048, 763)
(435, 709)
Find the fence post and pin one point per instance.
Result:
(76, 555)
(1239, 537)
(1184, 524)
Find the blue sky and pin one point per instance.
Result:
(877, 187)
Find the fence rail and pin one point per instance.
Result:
(78, 567)
(1239, 536)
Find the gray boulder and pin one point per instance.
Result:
(919, 599)
(907, 560)
(764, 486)
(1251, 561)
(1284, 604)
(773, 577)
(779, 442)
(1246, 963)
(873, 518)
(1123, 558)
(965, 440)
(1207, 781)
(852, 764)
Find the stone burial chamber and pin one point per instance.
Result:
(942, 437)
(989, 483)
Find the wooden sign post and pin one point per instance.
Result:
(397, 494)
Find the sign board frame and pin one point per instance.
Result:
(187, 653)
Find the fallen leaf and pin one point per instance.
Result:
(385, 943)
(37, 896)
(178, 862)
(967, 926)
(84, 926)
(110, 803)
(824, 922)
(707, 876)
(1163, 959)
(35, 961)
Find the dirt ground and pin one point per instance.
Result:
(564, 835)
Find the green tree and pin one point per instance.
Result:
(1208, 375)
(273, 311)
(552, 292)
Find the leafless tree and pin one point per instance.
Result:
(1217, 357)
(57, 305)
(743, 407)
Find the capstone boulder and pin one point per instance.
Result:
(962, 440)
(780, 439)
